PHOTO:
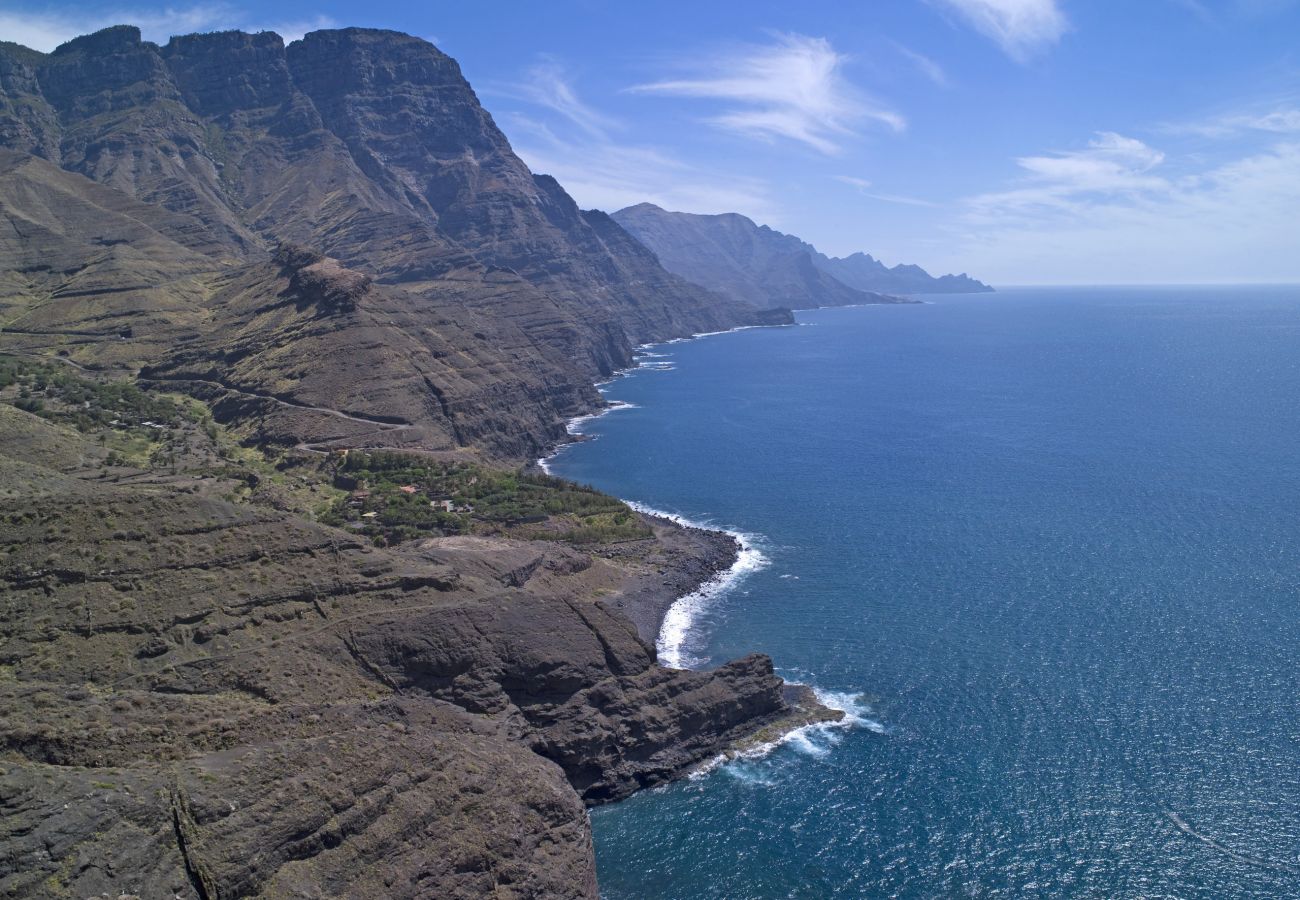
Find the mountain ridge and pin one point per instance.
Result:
(256, 144)
(754, 263)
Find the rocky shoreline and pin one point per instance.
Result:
(207, 696)
(693, 557)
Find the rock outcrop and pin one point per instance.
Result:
(204, 698)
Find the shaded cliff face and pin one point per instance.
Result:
(731, 254)
(367, 147)
(440, 151)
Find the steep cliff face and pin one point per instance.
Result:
(732, 254)
(745, 261)
(368, 146)
(440, 152)
(228, 701)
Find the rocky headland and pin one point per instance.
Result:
(283, 612)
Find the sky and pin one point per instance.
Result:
(1021, 141)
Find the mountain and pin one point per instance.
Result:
(285, 611)
(865, 272)
(366, 147)
(731, 254)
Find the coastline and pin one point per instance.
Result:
(706, 561)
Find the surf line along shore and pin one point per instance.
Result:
(703, 563)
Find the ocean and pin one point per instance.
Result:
(1043, 545)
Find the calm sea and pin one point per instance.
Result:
(1045, 546)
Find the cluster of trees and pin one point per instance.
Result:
(84, 403)
(528, 504)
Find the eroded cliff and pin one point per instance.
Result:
(228, 667)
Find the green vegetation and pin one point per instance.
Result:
(399, 496)
(61, 395)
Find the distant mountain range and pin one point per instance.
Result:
(754, 264)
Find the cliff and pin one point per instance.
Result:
(236, 144)
(731, 254)
(206, 693)
(231, 665)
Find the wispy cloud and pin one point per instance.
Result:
(1105, 214)
(1110, 164)
(566, 137)
(1275, 121)
(867, 190)
(549, 84)
(1021, 28)
(793, 88)
(923, 64)
(46, 30)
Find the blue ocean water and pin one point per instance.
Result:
(1044, 543)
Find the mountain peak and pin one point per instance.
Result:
(113, 39)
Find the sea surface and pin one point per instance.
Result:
(1044, 545)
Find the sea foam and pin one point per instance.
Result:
(679, 622)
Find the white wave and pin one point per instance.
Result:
(857, 711)
(816, 740)
(680, 619)
(574, 426)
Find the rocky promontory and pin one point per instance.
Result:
(283, 612)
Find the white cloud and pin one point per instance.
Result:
(1103, 216)
(603, 174)
(923, 64)
(575, 144)
(865, 188)
(792, 88)
(1020, 27)
(47, 30)
(1279, 120)
(549, 85)
(1110, 164)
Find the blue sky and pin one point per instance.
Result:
(1023, 141)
